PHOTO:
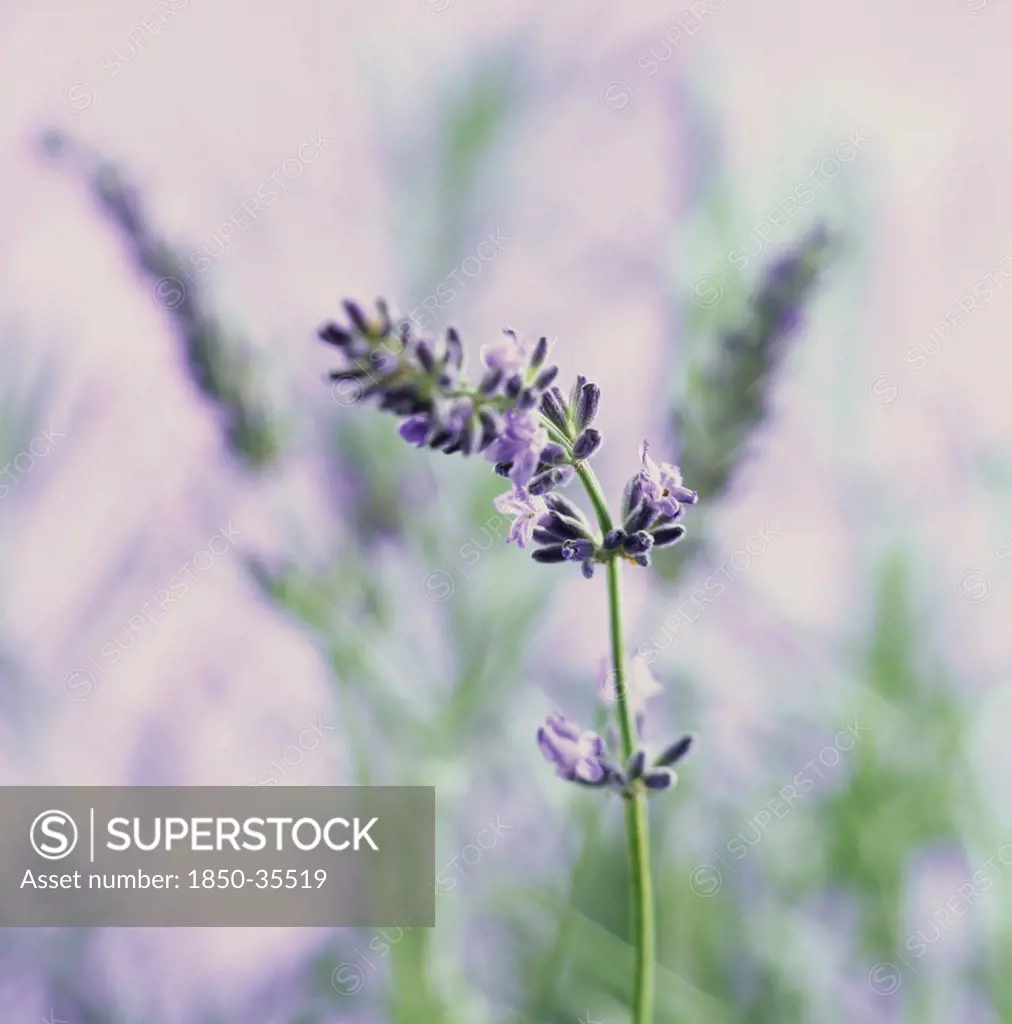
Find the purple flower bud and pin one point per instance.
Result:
(426, 356)
(415, 430)
(527, 400)
(637, 543)
(341, 375)
(454, 350)
(586, 405)
(514, 386)
(540, 353)
(641, 516)
(503, 468)
(678, 751)
(562, 527)
(401, 399)
(542, 483)
(586, 444)
(557, 476)
(541, 536)
(356, 316)
(491, 380)
(578, 550)
(440, 436)
(552, 405)
(561, 504)
(588, 570)
(545, 378)
(489, 429)
(553, 455)
(613, 540)
(635, 767)
(643, 560)
(334, 335)
(633, 494)
(668, 535)
(574, 392)
(549, 555)
(663, 778)
(469, 436)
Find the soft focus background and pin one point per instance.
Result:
(615, 177)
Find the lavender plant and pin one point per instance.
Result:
(540, 439)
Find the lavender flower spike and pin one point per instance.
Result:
(527, 510)
(575, 753)
(663, 484)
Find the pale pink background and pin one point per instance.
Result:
(225, 92)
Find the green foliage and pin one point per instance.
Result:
(908, 787)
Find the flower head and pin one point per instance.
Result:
(526, 510)
(577, 754)
(662, 484)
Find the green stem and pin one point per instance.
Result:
(637, 830)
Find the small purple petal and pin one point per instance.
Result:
(558, 722)
(415, 430)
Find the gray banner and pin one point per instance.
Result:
(160, 856)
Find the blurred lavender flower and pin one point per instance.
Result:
(731, 385)
(221, 365)
(577, 754)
